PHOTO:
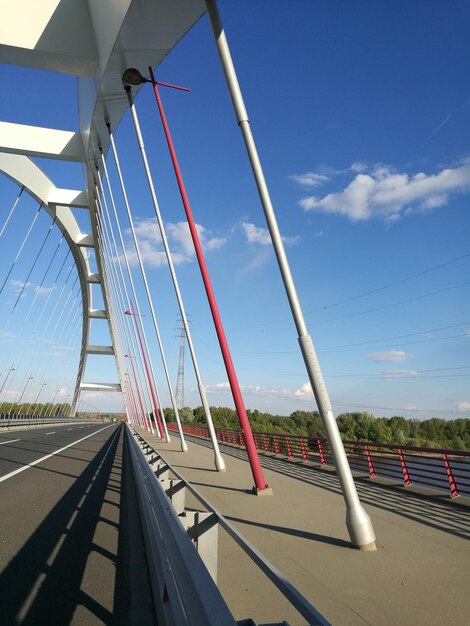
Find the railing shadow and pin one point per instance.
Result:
(42, 584)
(438, 514)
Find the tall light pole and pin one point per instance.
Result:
(22, 394)
(37, 397)
(51, 405)
(12, 369)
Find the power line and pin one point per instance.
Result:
(362, 295)
(388, 408)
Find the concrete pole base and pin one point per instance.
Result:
(370, 547)
(267, 491)
(219, 463)
(360, 529)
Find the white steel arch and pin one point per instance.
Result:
(57, 203)
(95, 41)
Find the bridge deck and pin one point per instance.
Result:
(71, 550)
(419, 575)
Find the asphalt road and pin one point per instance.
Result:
(70, 544)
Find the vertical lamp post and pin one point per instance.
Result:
(22, 394)
(12, 369)
(156, 408)
(358, 522)
(50, 407)
(37, 397)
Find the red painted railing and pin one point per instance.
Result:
(441, 469)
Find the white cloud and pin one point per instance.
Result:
(386, 195)
(179, 239)
(393, 374)
(42, 291)
(358, 167)
(304, 392)
(18, 285)
(309, 179)
(392, 355)
(463, 406)
(255, 234)
(320, 233)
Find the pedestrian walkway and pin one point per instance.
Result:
(419, 574)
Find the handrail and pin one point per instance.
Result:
(183, 590)
(437, 468)
(148, 478)
(7, 421)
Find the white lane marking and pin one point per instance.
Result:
(69, 428)
(48, 456)
(11, 441)
(52, 433)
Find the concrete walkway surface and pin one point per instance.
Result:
(420, 573)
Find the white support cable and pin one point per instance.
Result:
(34, 263)
(219, 462)
(120, 306)
(119, 313)
(64, 306)
(58, 300)
(21, 247)
(110, 286)
(52, 290)
(184, 445)
(38, 289)
(107, 217)
(117, 310)
(124, 303)
(72, 307)
(69, 327)
(25, 282)
(12, 210)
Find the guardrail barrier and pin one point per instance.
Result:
(182, 549)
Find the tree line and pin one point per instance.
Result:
(431, 433)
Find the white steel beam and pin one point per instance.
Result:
(100, 387)
(41, 142)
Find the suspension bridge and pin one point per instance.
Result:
(146, 521)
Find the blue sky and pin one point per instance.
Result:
(361, 116)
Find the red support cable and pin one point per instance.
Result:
(304, 451)
(404, 469)
(276, 445)
(258, 477)
(289, 451)
(454, 490)
(138, 391)
(156, 408)
(370, 463)
(321, 452)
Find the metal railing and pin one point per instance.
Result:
(439, 469)
(10, 421)
(183, 586)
